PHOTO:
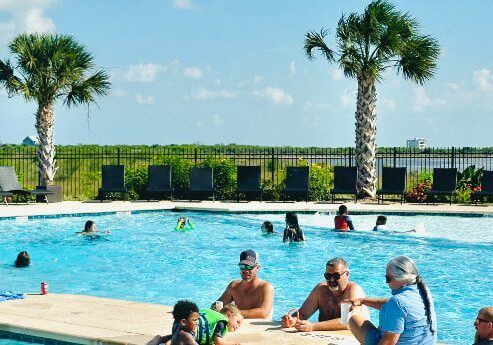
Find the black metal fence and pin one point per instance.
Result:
(80, 166)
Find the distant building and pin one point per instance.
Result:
(416, 143)
(30, 141)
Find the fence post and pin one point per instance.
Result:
(118, 155)
(395, 156)
(452, 158)
(350, 157)
(272, 163)
(195, 155)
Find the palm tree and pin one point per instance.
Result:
(49, 67)
(369, 44)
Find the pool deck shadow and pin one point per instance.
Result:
(101, 321)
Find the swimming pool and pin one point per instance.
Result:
(144, 259)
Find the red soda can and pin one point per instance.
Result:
(44, 288)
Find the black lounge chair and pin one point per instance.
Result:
(486, 186)
(297, 182)
(444, 183)
(159, 181)
(248, 179)
(9, 185)
(344, 182)
(201, 182)
(393, 183)
(113, 180)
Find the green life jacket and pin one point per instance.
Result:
(207, 322)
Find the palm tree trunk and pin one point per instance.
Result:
(45, 125)
(366, 129)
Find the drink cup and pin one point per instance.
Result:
(345, 313)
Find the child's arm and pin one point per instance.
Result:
(350, 223)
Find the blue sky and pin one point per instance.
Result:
(234, 71)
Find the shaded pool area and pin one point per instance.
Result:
(145, 259)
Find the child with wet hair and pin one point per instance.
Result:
(23, 259)
(186, 315)
(204, 327)
(292, 232)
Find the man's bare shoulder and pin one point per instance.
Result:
(265, 285)
(355, 289)
(234, 283)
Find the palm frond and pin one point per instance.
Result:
(315, 41)
(53, 65)
(419, 58)
(84, 92)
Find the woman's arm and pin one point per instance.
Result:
(389, 339)
(375, 303)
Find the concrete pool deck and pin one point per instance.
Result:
(77, 207)
(102, 321)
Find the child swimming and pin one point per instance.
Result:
(184, 224)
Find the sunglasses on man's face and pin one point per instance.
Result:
(479, 320)
(245, 267)
(387, 278)
(334, 276)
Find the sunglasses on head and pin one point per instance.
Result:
(335, 276)
(245, 267)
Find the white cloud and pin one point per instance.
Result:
(336, 74)
(205, 94)
(276, 95)
(144, 99)
(183, 4)
(423, 101)
(292, 69)
(193, 72)
(24, 16)
(35, 22)
(257, 79)
(347, 98)
(217, 120)
(119, 93)
(388, 103)
(483, 80)
(143, 73)
(455, 86)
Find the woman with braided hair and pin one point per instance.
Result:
(406, 318)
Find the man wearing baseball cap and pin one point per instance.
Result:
(252, 295)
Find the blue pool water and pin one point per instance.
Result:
(145, 259)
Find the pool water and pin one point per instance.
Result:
(145, 259)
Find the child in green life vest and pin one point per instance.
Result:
(214, 325)
(207, 327)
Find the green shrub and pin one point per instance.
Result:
(136, 182)
(224, 176)
(180, 174)
(87, 181)
(321, 181)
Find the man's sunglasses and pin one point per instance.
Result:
(479, 320)
(335, 276)
(387, 279)
(245, 267)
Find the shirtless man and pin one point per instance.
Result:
(326, 297)
(252, 295)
